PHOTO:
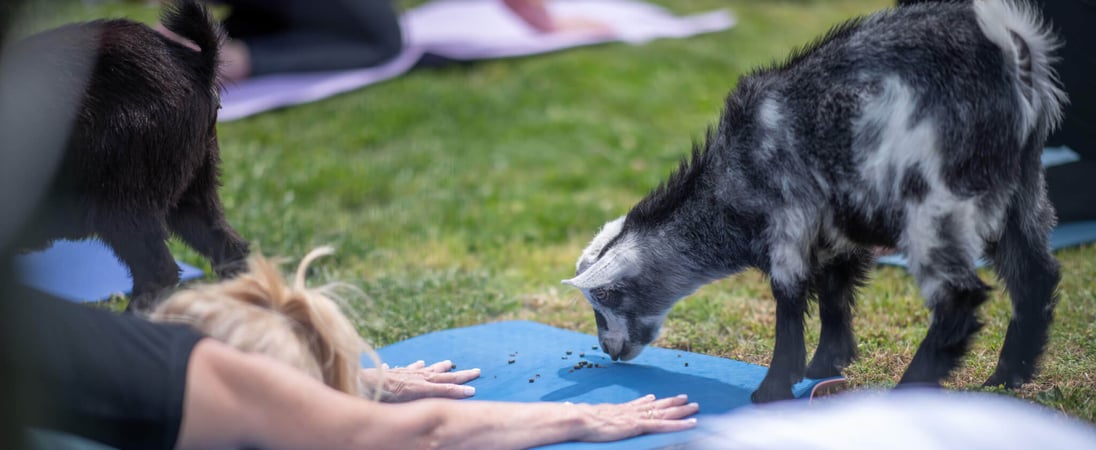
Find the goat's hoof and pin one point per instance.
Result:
(147, 300)
(763, 395)
(229, 270)
(1005, 381)
(820, 371)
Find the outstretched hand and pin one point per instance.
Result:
(417, 380)
(611, 422)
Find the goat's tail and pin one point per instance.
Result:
(192, 20)
(1019, 29)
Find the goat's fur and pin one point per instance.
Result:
(917, 127)
(142, 157)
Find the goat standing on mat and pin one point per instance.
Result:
(917, 127)
(142, 156)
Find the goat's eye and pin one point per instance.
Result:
(600, 294)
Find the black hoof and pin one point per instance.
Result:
(762, 395)
(823, 370)
(1005, 381)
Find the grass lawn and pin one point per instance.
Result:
(463, 195)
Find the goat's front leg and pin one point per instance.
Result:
(789, 354)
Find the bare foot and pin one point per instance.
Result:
(160, 28)
(235, 57)
(583, 25)
(533, 12)
(235, 61)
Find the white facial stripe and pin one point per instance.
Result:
(608, 231)
(621, 261)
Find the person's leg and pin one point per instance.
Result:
(294, 36)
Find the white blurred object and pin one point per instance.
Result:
(915, 419)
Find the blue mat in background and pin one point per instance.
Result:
(540, 353)
(1065, 235)
(1069, 234)
(82, 271)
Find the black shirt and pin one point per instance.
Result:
(112, 378)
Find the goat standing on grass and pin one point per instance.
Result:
(142, 156)
(917, 127)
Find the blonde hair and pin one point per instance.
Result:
(258, 312)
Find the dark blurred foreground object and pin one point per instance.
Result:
(59, 362)
(142, 157)
(115, 379)
(1071, 187)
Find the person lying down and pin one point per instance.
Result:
(259, 312)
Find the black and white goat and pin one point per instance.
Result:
(917, 127)
(142, 156)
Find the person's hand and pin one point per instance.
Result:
(610, 422)
(403, 384)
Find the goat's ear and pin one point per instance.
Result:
(613, 266)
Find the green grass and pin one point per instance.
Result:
(463, 195)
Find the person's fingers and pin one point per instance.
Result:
(443, 366)
(642, 400)
(666, 426)
(416, 365)
(670, 401)
(674, 412)
(458, 377)
(421, 389)
(453, 391)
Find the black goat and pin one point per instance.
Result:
(917, 127)
(142, 155)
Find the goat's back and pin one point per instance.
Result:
(145, 115)
(926, 103)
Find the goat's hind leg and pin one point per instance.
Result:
(952, 290)
(1023, 260)
(835, 287)
(199, 220)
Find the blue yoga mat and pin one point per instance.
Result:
(82, 271)
(540, 353)
(1065, 235)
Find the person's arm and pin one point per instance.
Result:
(240, 400)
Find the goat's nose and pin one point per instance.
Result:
(612, 347)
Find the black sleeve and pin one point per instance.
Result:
(112, 378)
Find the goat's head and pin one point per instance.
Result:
(631, 279)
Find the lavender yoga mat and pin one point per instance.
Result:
(82, 271)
